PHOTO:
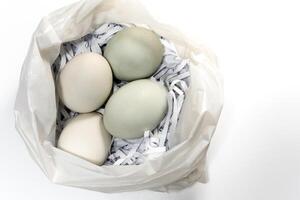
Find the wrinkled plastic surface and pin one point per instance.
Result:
(35, 108)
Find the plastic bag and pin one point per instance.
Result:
(36, 109)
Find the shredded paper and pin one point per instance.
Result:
(173, 73)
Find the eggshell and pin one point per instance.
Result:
(134, 108)
(85, 82)
(86, 137)
(134, 53)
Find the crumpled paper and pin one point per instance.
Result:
(36, 105)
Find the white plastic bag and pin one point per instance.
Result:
(35, 109)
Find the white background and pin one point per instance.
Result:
(255, 153)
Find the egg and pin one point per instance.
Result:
(86, 137)
(136, 107)
(85, 82)
(134, 53)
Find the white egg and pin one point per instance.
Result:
(85, 82)
(86, 137)
(136, 107)
(134, 53)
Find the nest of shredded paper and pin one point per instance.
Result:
(173, 73)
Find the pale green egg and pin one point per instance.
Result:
(134, 53)
(136, 107)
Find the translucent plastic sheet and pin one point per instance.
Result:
(36, 105)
